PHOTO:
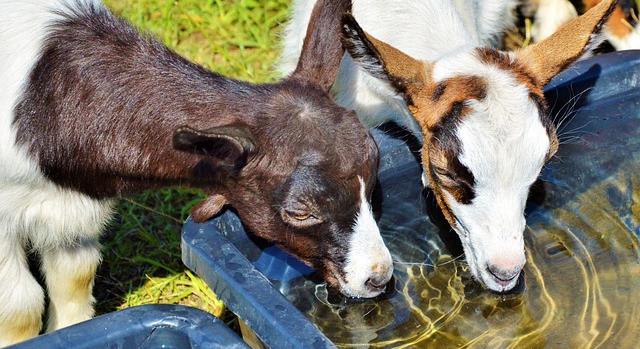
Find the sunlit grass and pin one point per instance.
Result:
(141, 249)
(236, 38)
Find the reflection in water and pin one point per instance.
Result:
(581, 279)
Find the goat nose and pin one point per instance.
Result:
(379, 277)
(503, 274)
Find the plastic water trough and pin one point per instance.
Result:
(253, 278)
(143, 327)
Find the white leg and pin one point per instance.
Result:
(21, 297)
(69, 273)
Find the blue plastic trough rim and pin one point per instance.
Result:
(145, 326)
(246, 291)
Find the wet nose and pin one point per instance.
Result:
(507, 267)
(379, 277)
(503, 275)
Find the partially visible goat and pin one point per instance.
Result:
(413, 27)
(622, 28)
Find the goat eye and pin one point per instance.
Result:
(444, 174)
(300, 218)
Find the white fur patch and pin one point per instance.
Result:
(21, 296)
(550, 16)
(628, 42)
(367, 252)
(31, 207)
(69, 273)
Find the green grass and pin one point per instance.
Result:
(141, 248)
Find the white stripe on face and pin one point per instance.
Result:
(368, 256)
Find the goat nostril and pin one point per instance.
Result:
(376, 282)
(503, 275)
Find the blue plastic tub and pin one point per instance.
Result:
(143, 327)
(582, 276)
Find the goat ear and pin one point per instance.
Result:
(208, 208)
(406, 74)
(322, 52)
(574, 40)
(230, 144)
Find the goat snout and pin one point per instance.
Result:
(368, 273)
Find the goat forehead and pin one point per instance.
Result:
(503, 137)
(503, 152)
(506, 103)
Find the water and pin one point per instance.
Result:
(581, 281)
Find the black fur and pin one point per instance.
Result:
(109, 112)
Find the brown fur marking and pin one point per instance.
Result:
(505, 62)
(435, 102)
(82, 285)
(208, 208)
(24, 326)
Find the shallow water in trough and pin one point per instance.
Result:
(582, 277)
(580, 288)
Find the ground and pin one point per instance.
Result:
(141, 248)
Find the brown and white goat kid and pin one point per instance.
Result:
(486, 128)
(91, 110)
(481, 112)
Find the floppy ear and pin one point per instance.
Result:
(230, 144)
(571, 42)
(322, 52)
(406, 74)
(208, 208)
